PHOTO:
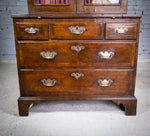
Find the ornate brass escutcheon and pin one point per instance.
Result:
(49, 82)
(77, 48)
(32, 30)
(106, 55)
(77, 75)
(48, 54)
(121, 30)
(105, 82)
(77, 29)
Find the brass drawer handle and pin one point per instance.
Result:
(105, 82)
(32, 30)
(77, 29)
(77, 75)
(121, 30)
(106, 55)
(77, 48)
(49, 82)
(48, 54)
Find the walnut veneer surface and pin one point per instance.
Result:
(77, 57)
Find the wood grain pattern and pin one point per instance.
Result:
(129, 28)
(32, 67)
(43, 33)
(80, 75)
(129, 105)
(67, 86)
(60, 30)
(24, 106)
(30, 54)
(81, 15)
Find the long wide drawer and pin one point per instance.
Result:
(77, 83)
(81, 54)
(77, 30)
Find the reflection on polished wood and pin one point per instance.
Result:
(102, 1)
(51, 2)
(77, 50)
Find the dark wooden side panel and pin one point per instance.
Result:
(93, 30)
(86, 85)
(36, 31)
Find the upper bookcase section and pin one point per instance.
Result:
(77, 6)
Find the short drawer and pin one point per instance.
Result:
(121, 31)
(77, 30)
(77, 83)
(82, 54)
(32, 31)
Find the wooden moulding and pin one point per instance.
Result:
(62, 16)
(129, 104)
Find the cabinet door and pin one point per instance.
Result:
(51, 6)
(103, 6)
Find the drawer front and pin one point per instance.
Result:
(81, 54)
(121, 30)
(77, 83)
(77, 30)
(32, 31)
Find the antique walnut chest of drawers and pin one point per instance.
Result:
(69, 50)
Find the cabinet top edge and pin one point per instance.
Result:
(28, 16)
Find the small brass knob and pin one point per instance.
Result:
(39, 17)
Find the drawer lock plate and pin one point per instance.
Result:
(77, 48)
(77, 75)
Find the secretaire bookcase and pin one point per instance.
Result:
(77, 50)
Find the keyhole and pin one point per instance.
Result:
(77, 28)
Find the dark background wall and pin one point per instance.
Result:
(9, 7)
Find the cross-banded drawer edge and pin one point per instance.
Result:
(32, 31)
